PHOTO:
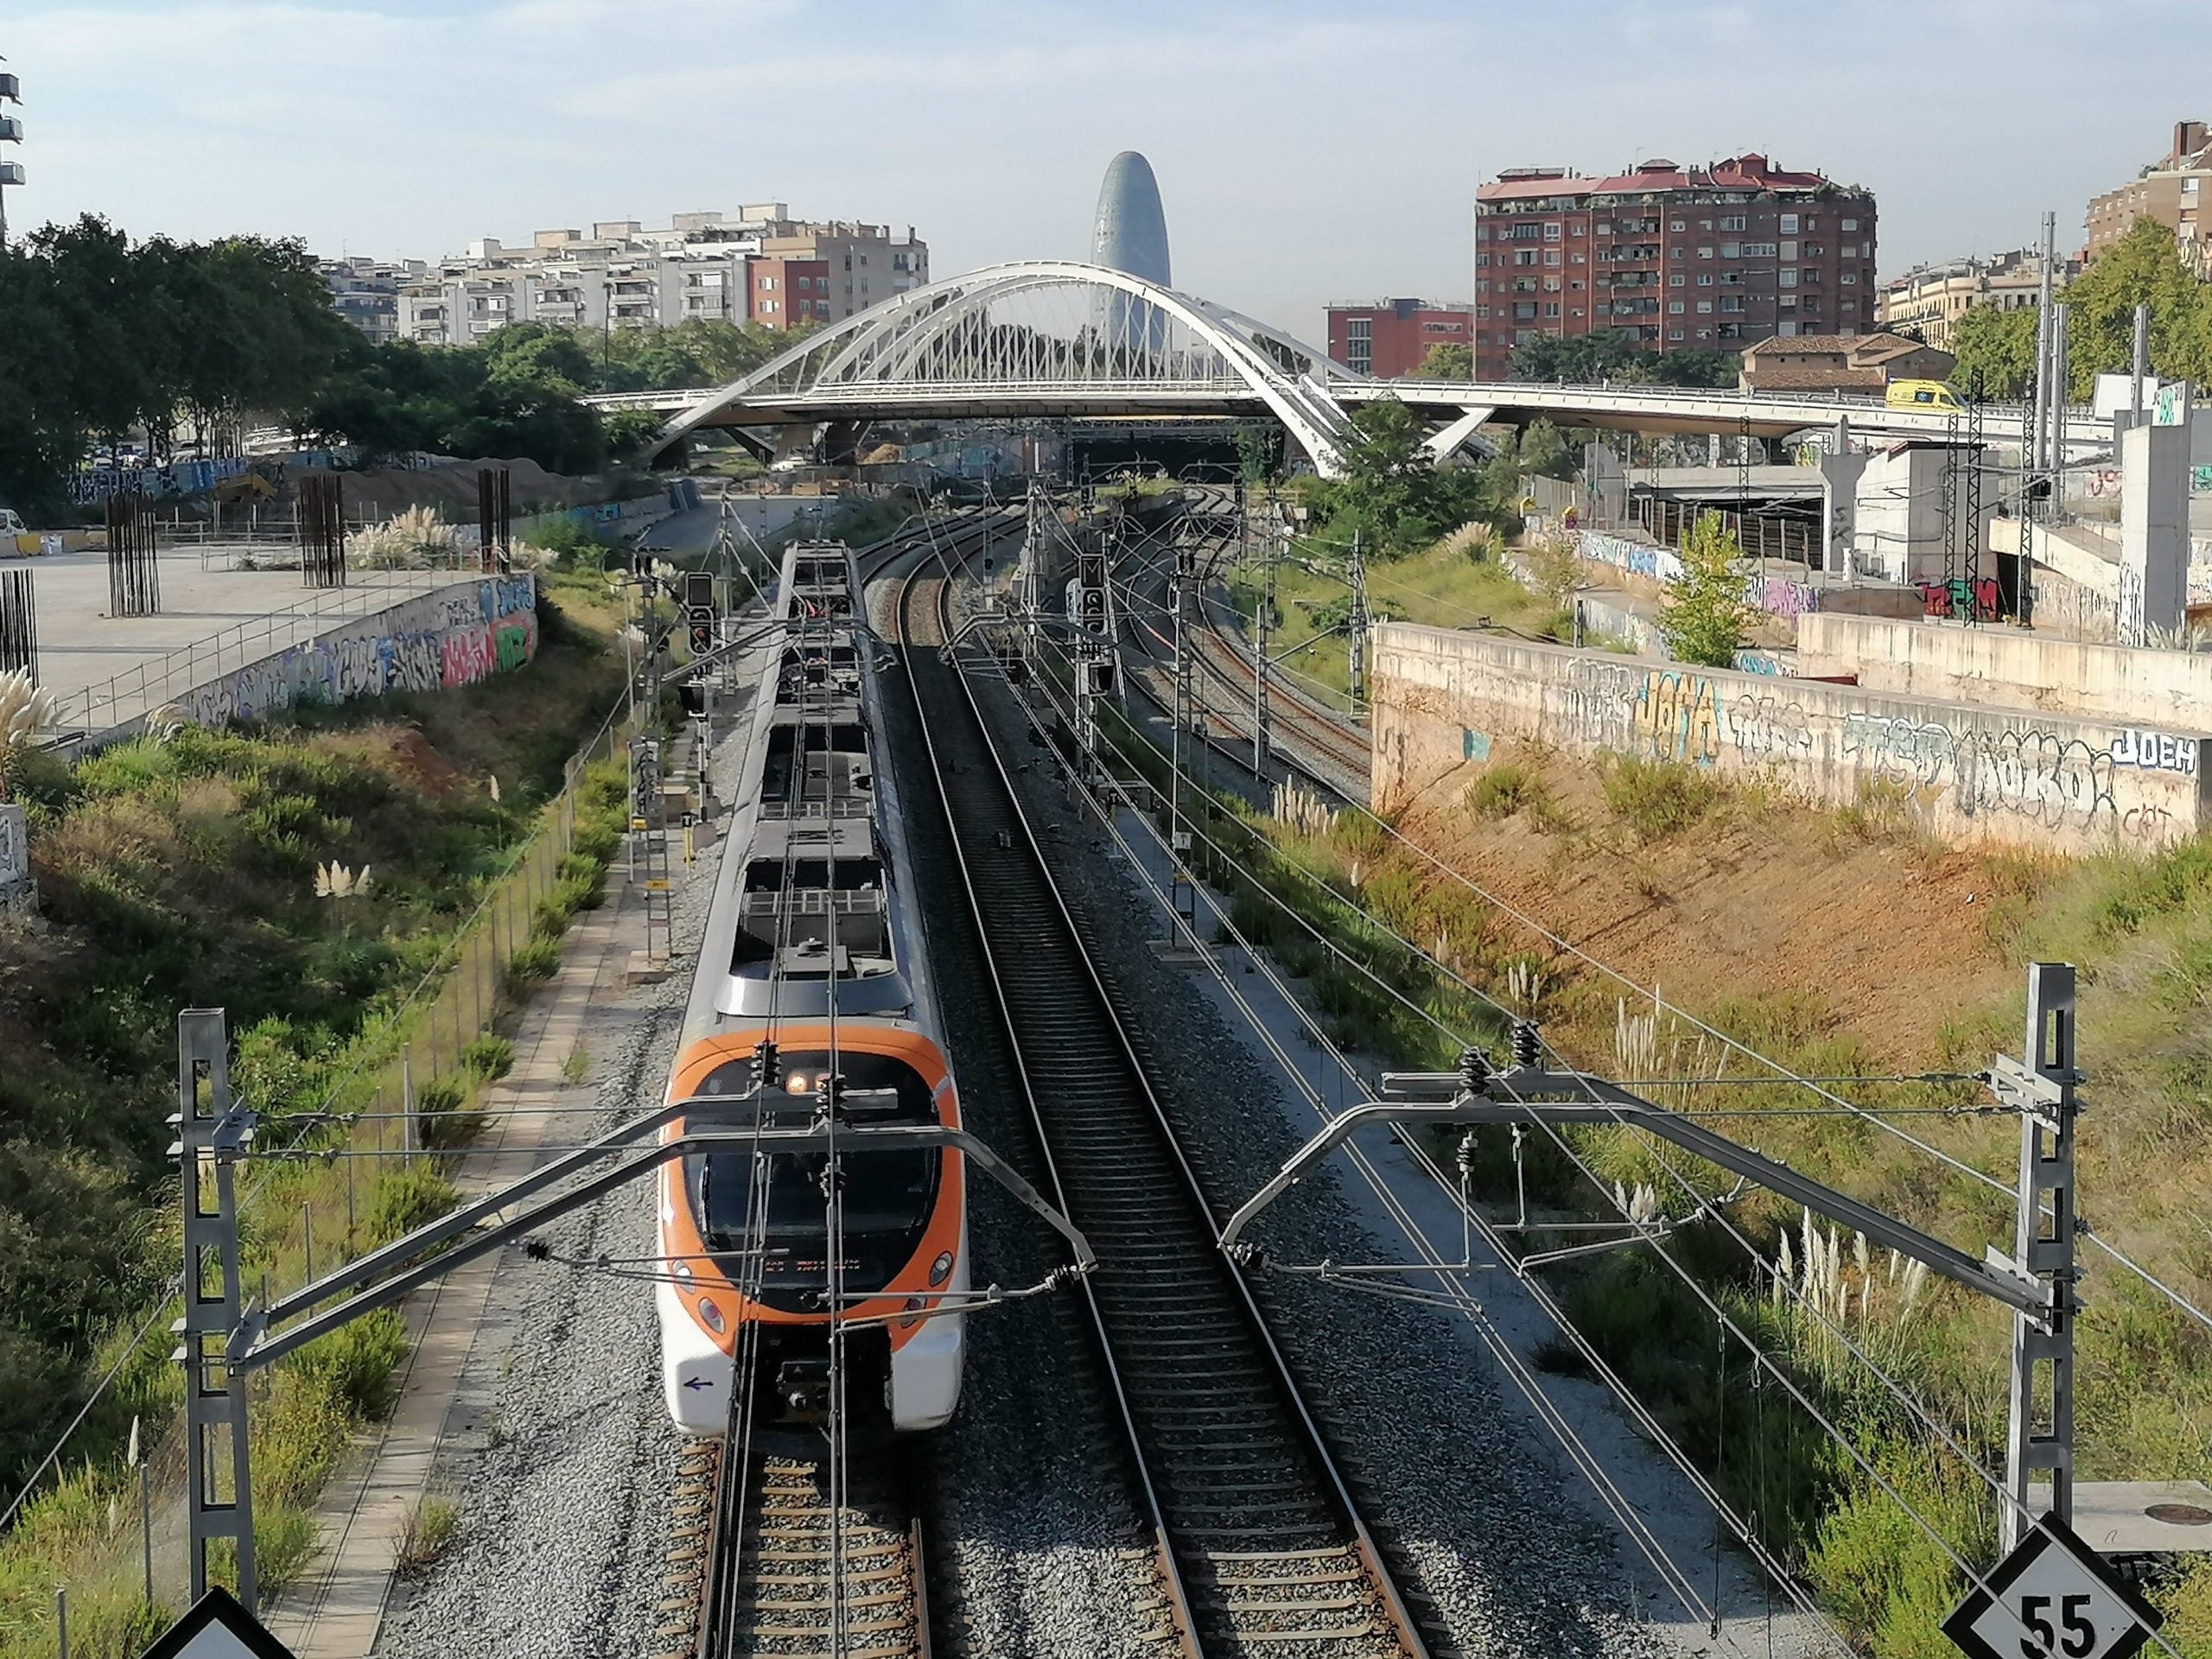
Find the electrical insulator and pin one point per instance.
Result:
(1474, 1070)
(766, 1073)
(1528, 1044)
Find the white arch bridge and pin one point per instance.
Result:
(1057, 339)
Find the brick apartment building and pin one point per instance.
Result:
(1715, 258)
(1391, 337)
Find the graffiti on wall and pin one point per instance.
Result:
(457, 638)
(1974, 600)
(2054, 779)
(1783, 596)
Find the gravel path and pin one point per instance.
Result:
(559, 1449)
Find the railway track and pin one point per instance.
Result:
(788, 1572)
(1304, 741)
(1263, 1551)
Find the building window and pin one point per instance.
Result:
(1812, 223)
(1732, 250)
(1551, 256)
(1551, 230)
(1789, 277)
(1551, 284)
(1678, 280)
(1790, 225)
(1678, 225)
(1789, 301)
(1786, 327)
(1578, 227)
(1575, 287)
(1483, 260)
(1731, 301)
(1732, 222)
(1604, 229)
(1524, 256)
(1675, 307)
(1705, 307)
(1849, 278)
(1705, 224)
(1576, 312)
(1482, 311)
(1705, 279)
(1760, 249)
(1551, 307)
(1579, 257)
(1673, 334)
(1850, 224)
(1812, 250)
(1789, 250)
(1529, 232)
(1482, 232)
(1731, 331)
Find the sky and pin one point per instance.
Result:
(1305, 153)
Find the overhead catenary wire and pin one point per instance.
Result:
(1762, 1360)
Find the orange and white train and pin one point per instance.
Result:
(812, 968)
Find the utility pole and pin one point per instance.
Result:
(11, 132)
(1182, 585)
(2140, 364)
(1355, 627)
(2038, 460)
(1263, 627)
(2059, 321)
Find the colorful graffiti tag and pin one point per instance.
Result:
(2054, 779)
(1969, 601)
(452, 639)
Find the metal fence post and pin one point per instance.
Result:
(212, 1133)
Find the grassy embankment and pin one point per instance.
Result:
(180, 873)
(2138, 926)
(1443, 585)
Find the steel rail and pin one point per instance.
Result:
(1260, 1531)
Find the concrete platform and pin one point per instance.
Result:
(2138, 1518)
(214, 618)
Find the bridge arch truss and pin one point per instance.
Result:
(1037, 338)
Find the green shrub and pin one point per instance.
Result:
(405, 1198)
(539, 959)
(447, 1123)
(355, 1362)
(1656, 799)
(490, 1057)
(1504, 789)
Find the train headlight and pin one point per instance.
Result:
(795, 1083)
(711, 1315)
(941, 1269)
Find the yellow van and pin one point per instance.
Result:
(1923, 394)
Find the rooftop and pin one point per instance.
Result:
(1746, 172)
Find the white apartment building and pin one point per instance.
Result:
(1929, 299)
(625, 276)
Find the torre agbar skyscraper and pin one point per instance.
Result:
(1131, 235)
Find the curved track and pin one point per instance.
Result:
(1262, 1550)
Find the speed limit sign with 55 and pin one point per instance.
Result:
(2052, 1598)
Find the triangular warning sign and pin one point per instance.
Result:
(217, 1627)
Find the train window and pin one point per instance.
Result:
(774, 875)
(774, 1206)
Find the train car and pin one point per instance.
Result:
(811, 968)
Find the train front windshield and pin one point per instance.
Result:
(767, 1219)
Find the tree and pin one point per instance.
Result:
(1996, 350)
(1707, 616)
(1445, 361)
(629, 430)
(2144, 267)
(1695, 366)
(1390, 493)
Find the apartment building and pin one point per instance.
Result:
(1929, 299)
(1391, 337)
(2172, 190)
(760, 266)
(365, 292)
(1669, 256)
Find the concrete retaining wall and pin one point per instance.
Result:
(2050, 782)
(457, 636)
(2007, 666)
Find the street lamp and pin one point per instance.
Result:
(11, 132)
